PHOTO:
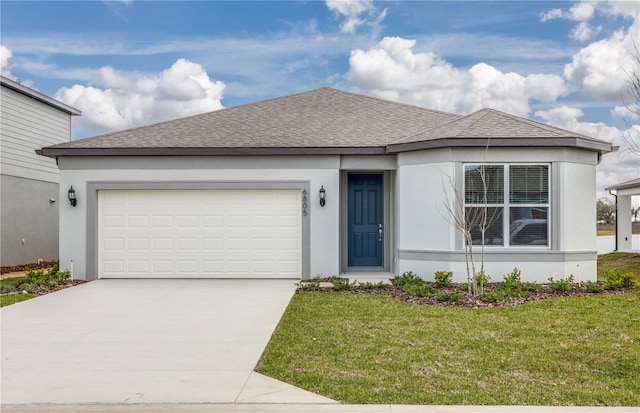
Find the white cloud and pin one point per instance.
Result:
(5, 55)
(392, 70)
(551, 15)
(599, 68)
(630, 112)
(581, 12)
(120, 100)
(583, 32)
(352, 11)
(615, 167)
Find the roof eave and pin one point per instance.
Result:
(20, 88)
(572, 142)
(54, 152)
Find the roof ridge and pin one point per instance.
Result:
(486, 112)
(460, 117)
(530, 122)
(549, 128)
(388, 101)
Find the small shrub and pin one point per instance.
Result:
(420, 290)
(531, 286)
(594, 287)
(7, 288)
(407, 278)
(482, 278)
(446, 296)
(443, 278)
(512, 281)
(495, 296)
(562, 285)
(614, 280)
(30, 288)
(462, 288)
(309, 285)
(370, 285)
(340, 284)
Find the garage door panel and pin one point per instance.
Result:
(111, 221)
(138, 266)
(199, 234)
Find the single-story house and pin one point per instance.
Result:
(327, 182)
(29, 188)
(623, 193)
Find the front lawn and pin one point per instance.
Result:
(376, 349)
(15, 298)
(619, 261)
(35, 283)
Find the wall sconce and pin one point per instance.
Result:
(322, 196)
(72, 196)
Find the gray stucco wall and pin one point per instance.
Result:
(27, 214)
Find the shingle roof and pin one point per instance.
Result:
(634, 183)
(324, 120)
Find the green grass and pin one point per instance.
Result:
(605, 233)
(374, 349)
(15, 298)
(621, 261)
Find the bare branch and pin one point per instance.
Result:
(632, 102)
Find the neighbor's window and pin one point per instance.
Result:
(507, 205)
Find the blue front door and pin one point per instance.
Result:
(365, 226)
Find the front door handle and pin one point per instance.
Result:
(380, 233)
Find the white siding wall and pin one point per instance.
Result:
(27, 125)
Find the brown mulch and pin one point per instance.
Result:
(545, 292)
(43, 265)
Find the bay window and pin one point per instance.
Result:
(507, 204)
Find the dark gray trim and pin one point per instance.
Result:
(507, 142)
(500, 256)
(93, 187)
(54, 152)
(22, 89)
(519, 142)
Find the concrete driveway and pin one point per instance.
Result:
(145, 341)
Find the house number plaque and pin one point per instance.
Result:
(304, 203)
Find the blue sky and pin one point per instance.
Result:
(128, 63)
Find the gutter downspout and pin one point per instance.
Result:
(616, 238)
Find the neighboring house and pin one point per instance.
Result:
(623, 193)
(29, 201)
(237, 193)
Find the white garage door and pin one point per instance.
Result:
(199, 234)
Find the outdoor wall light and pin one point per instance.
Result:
(322, 196)
(72, 196)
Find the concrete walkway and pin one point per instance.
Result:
(145, 341)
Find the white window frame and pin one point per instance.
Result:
(506, 205)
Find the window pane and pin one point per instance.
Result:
(492, 219)
(528, 226)
(529, 184)
(476, 177)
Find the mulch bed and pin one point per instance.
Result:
(545, 292)
(43, 265)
